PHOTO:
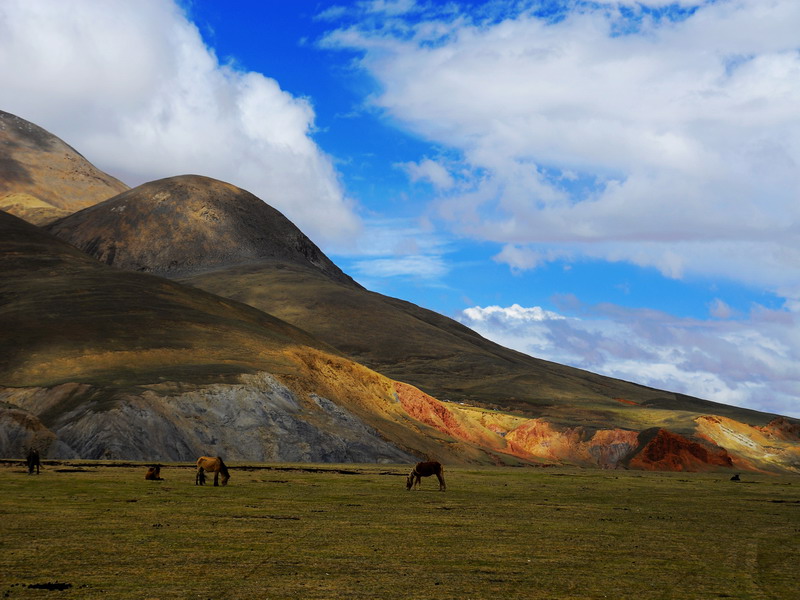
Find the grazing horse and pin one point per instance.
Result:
(426, 469)
(153, 473)
(32, 461)
(212, 465)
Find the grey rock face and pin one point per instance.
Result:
(258, 419)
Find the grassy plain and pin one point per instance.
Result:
(93, 530)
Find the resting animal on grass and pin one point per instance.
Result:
(426, 469)
(153, 473)
(212, 465)
(32, 461)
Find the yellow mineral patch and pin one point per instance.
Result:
(753, 447)
(31, 208)
(23, 200)
(528, 439)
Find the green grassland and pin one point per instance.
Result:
(99, 530)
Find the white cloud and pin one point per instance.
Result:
(390, 7)
(719, 309)
(133, 87)
(417, 266)
(397, 248)
(510, 316)
(749, 361)
(685, 123)
(429, 170)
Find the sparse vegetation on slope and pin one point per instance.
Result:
(42, 178)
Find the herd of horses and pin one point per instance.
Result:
(215, 465)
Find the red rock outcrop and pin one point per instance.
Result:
(469, 426)
(663, 450)
(782, 428)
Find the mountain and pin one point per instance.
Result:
(197, 224)
(98, 362)
(454, 380)
(42, 178)
(260, 348)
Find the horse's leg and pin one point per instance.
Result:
(442, 486)
(216, 479)
(199, 478)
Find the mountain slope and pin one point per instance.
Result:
(100, 361)
(96, 362)
(224, 240)
(42, 178)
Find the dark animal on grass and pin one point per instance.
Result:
(154, 473)
(735, 478)
(212, 465)
(32, 460)
(426, 469)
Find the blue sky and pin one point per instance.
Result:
(608, 184)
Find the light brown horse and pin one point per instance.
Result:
(212, 465)
(426, 469)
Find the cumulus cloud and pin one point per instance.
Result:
(664, 134)
(749, 361)
(134, 88)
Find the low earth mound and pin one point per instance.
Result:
(42, 178)
(188, 224)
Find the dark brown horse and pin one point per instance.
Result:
(153, 473)
(426, 469)
(212, 465)
(32, 460)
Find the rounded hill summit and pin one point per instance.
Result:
(189, 224)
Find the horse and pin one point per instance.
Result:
(33, 461)
(212, 465)
(153, 473)
(426, 469)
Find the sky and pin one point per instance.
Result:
(608, 184)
